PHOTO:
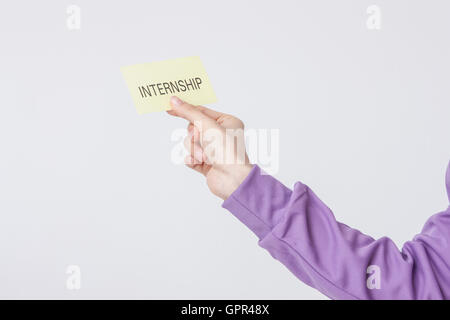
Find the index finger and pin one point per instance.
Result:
(189, 112)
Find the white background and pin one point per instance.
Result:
(363, 118)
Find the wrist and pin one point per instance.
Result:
(235, 175)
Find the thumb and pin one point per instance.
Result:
(191, 113)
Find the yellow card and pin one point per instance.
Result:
(152, 84)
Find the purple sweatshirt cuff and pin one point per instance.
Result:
(447, 181)
(259, 202)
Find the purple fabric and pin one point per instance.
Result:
(300, 231)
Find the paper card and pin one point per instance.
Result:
(152, 84)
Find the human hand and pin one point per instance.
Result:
(216, 146)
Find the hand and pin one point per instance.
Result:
(216, 146)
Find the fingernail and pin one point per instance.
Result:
(175, 101)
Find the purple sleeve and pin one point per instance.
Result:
(300, 231)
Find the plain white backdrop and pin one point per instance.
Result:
(363, 117)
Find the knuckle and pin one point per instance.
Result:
(239, 122)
